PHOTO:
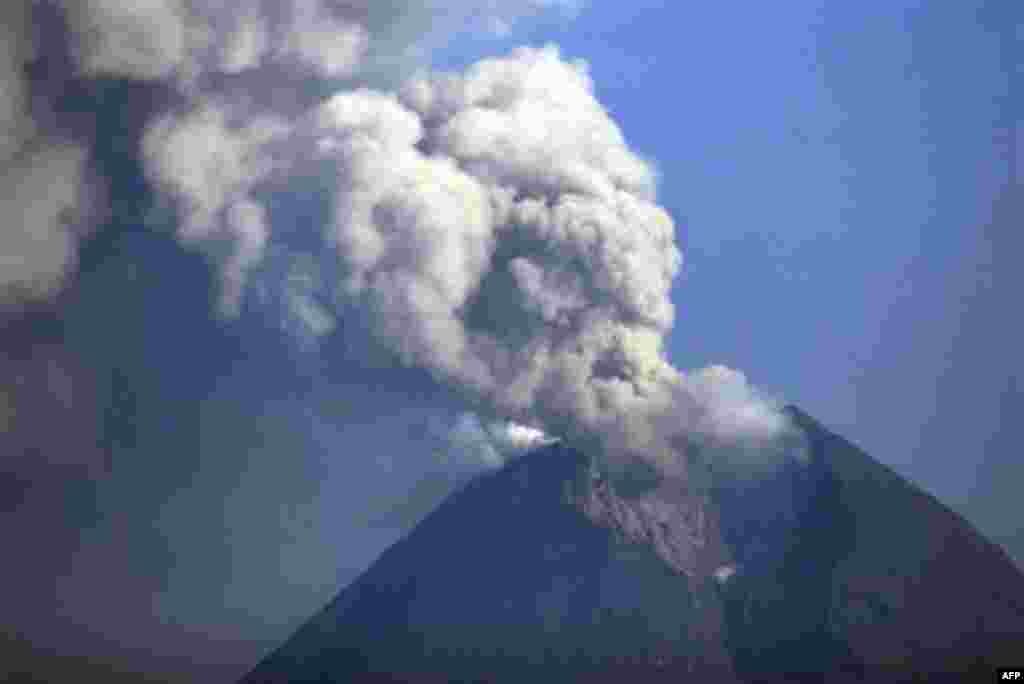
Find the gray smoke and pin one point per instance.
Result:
(492, 228)
(44, 186)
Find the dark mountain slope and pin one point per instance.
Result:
(544, 572)
(504, 578)
(885, 580)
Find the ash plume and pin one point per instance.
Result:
(45, 188)
(492, 227)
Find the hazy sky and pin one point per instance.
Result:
(842, 177)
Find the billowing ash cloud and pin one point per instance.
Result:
(492, 227)
(196, 43)
(44, 188)
(255, 49)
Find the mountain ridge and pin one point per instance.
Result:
(542, 570)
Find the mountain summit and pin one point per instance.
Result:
(546, 571)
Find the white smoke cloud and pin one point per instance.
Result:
(492, 227)
(47, 196)
(43, 184)
(477, 443)
(145, 40)
(203, 160)
(191, 41)
(179, 39)
(39, 193)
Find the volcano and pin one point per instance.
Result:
(546, 571)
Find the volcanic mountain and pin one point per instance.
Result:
(547, 571)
